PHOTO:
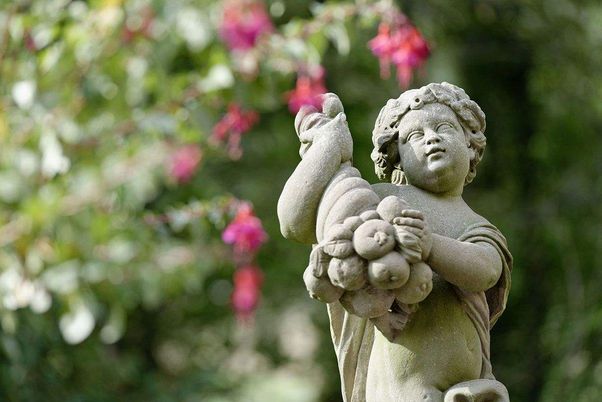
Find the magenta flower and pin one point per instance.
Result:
(245, 232)
(403, 46)
(382, 47)
(307, 91)
(184, 163)
(232, 126)
(243, 23)
(247, 290)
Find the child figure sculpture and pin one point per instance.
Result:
(408, 258)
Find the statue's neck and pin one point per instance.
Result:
(454, 195)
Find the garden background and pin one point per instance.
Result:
(144, 143)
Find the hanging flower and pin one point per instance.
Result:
(184, 163)
(29, 42)
(245, 232)
(402, 45)
(247, 290)
(382, 48)
(232, 126)
(243, 23)
(309, 87)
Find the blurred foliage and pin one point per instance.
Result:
(114, 282)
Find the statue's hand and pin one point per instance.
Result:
(312, 125)
(414, 222)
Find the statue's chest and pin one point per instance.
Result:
(445, 220)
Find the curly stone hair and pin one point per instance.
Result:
(386, 130)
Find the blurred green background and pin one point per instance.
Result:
(114, 282)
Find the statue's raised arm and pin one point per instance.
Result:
(326, 151)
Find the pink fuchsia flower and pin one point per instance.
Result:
(232, 126)
(247, 290)
(400, 44)
(243, 23)
(245, 232)
(184, 163)
(382, 47)
(307, 91)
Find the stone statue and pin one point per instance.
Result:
(408, 258)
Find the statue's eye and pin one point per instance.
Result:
(445, 126)
(415, 136)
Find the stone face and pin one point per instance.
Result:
(408, 270)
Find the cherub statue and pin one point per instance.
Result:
(408, 258)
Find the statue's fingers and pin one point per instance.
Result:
(412, 230)
(305, 111)
(412, 213)
(331, 105)
(417, 223)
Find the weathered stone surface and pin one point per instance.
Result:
(408, 258)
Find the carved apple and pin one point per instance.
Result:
(389, 271)
(418, 286)
(348, 273)
(373, 239)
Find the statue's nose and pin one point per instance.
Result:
(432, 137)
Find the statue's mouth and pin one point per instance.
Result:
(435, 151)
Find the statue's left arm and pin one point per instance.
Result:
(472, 266)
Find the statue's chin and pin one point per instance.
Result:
(440, 179)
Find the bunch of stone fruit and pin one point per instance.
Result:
(368, 262)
